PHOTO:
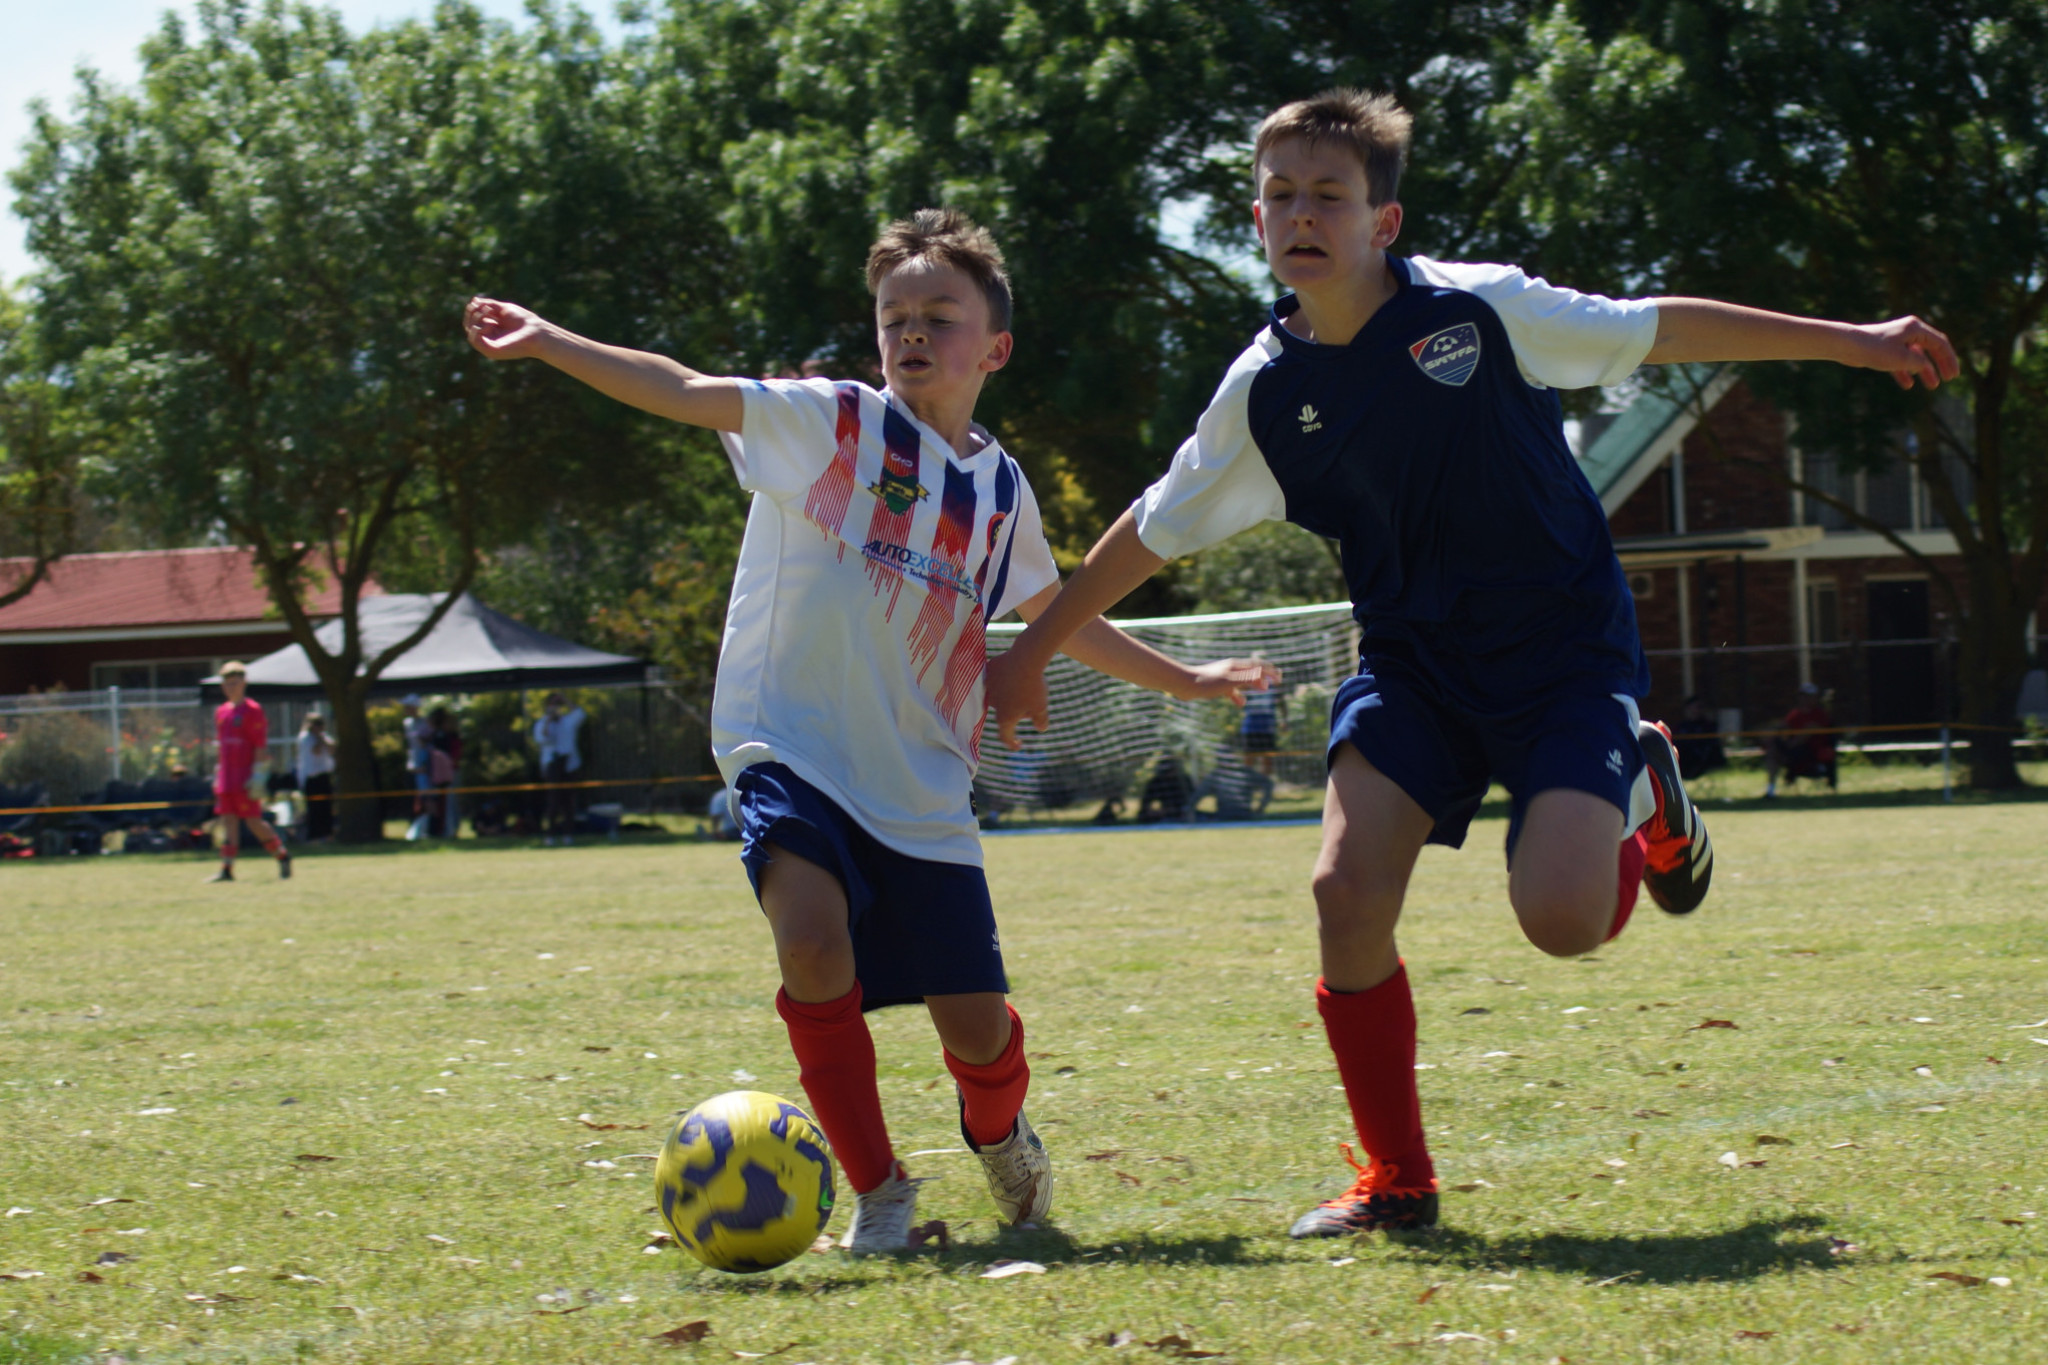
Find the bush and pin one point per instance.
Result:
(66, 751)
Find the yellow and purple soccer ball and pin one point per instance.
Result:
(745, 1181)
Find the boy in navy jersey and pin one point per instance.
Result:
(1407, 409)
(886, 530)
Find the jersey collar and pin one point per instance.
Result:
(1287, 305)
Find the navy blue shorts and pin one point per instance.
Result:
(1444, 757)
(919, 927)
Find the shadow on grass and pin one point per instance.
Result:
(1750, 1251)
(1047, 1247)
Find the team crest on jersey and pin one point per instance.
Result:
(1449, 356)
(898, 487)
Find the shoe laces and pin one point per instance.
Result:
(1376, 1178)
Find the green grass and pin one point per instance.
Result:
(435, 1021)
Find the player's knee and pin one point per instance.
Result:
(813, 956)
(1565, 925)
(1352, 896)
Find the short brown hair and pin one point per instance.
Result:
(945, 237)
(1375, 127)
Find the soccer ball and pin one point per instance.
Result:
(745, 1181)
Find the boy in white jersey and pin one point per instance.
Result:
(886, 531)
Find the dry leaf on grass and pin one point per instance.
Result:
(935, 1231)
(1713, 1023)
(89, 1277)
(684, 1335)
(1128, 1178)
(438, 1238)
(21, 1274)
(112, 1258)
(1842, 1246)
(1003, 1270)
(110, 1199)
(1849, 1328)
(1472, 1185)
(559, 1312)
(1957, 1277)
(1838, 1146)
(1623, 1277)
(1457, 1336)
(1109, 1155)
(1771, 1140)
(822, 1245)
(1426, 1295)
(1115, 1339)
(1652, 1114)
(1747, 1335)
(1180, 1348)
(311, 1156)
(763, 1355)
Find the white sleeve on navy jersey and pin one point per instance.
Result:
(1219, 483)
(1031, 569)
(788, 438)
(1562, 338)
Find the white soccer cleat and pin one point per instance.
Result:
(1019, 1173)
(882, 1217)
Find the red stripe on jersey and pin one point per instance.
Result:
(948, 564)
(826, 502)
(963, 674)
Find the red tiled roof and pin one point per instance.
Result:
(148, 588)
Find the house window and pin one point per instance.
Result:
(1823, 612)
(148, 673)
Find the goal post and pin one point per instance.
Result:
(1112, 741)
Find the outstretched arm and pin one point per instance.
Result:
(1016, 679)
(1704, 330)
(653, 383)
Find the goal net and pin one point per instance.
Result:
(1163, 758)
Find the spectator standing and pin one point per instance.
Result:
(419, 762)
(1806, 745)
(557, 734)
(316, 776)
(240, 732)
(444, 766)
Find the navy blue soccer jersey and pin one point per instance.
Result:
(1432, 449)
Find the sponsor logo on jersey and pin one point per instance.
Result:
(1449, 356)
(1614, 761)
(939, 573)
(898, 487)
(1311, 420)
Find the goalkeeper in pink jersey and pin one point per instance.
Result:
(239, 733)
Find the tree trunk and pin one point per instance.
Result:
(1991, 663)
(359, 821)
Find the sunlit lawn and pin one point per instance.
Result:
(357, 1113)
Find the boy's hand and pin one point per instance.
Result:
(1229, 680)
(1016, 691)
(1909, 349)
(503, 331)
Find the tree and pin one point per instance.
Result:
(256, 263)
(1857, 160)
(43, 438)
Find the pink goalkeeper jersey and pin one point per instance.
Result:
(874, 557)
(239, 734)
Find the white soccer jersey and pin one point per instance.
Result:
(874, 558)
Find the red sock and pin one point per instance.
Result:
(994, 1091)
(1373, 1034)
(835, 1057)
(274, 846)
(1634, 850)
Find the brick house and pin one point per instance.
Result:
(1745, 588)
(139, 619)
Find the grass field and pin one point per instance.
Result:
(353, 1117)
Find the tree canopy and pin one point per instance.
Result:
(1851, 160)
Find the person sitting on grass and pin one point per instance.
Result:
(1407, 409)
(240, 732)
(886, 531)
(1805, 746)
